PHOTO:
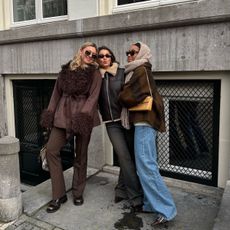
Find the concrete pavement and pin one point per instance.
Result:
(197, 205)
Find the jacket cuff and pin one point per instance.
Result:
(47, 118)
(82, 124)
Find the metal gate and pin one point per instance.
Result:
(188, 150)
(30, 98)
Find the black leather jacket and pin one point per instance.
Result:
(109, 106)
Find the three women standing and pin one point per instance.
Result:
(72, 111)
(139, 82)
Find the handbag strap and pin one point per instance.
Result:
(150, 90)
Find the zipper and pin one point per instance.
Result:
(107, 92)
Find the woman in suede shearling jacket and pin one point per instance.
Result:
(139, 83)
(72, 111)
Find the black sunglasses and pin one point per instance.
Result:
(90, 54)
(102, 56)
(131, 52)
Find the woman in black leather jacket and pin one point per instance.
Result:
(128, 186)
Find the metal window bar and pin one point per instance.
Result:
(188, 150)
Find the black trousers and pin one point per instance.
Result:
(123, 144)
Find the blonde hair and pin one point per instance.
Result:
(77, 60)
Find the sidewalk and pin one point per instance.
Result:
(197, 206)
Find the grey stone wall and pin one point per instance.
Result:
(188, 48)
(96, 154)
(185, 37)
(2, 109)
(192, 36)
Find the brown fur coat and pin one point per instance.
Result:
(73, 104)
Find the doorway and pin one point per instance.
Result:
(30, 98)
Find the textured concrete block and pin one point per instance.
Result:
(10, 193)
(10, 209)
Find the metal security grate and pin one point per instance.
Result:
(189, 148)
(30, 98)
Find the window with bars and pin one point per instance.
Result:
(188, 150)
(30, 98)
(38, 10)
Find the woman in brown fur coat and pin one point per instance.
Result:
(72, 111)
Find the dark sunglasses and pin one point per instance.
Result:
(131, 52)
(102, 56)
(90, 54)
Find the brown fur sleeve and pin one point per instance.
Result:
(82, 124)
(47, 119)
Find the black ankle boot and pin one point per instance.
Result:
(54, 205)
(78, 200)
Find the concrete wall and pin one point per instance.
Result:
(82, 9)
(183, 38)
(186, 48)
(3, 126)
(224, 136)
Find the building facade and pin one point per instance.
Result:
(190, 41)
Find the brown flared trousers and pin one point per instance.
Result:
(56, 141)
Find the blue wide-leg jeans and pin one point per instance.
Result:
(157, 197)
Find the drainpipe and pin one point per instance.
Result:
(10, 191)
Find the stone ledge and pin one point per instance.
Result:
(186, 185)
(9, 145)
(111, 169)
(222, 221)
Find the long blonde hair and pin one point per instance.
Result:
(77, 60)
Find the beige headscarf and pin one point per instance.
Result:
(142, 57)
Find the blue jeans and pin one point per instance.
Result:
(157, 197)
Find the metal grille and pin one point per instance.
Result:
(30, 98)
(188, 149)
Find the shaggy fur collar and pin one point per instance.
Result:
(112, 69)
(76, 81)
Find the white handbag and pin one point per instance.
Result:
(43, 158)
